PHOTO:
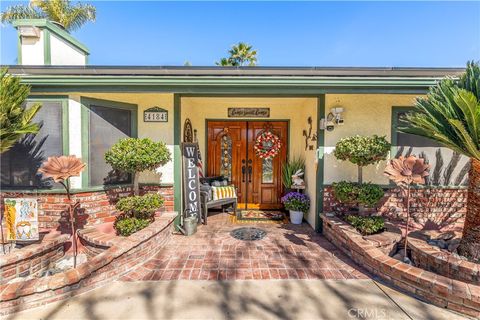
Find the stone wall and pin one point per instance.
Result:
(95, 206)
(125, 254)
(431, 208)
(439, 290)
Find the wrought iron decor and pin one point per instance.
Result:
(187, 131)
(248, 112)
(155, 114)
(309, 136)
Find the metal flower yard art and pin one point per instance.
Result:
(406, 171)
(60, 169)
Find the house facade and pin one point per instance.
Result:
(86, 109)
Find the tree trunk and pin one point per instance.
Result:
(136, 189)
(360, 174)
(470, 245)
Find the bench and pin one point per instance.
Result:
(206, 201)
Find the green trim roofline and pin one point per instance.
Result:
(51, 27)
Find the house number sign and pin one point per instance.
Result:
(155, 114)
(248, 112)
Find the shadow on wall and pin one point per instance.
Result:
(453, 173)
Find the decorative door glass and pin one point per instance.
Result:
(226, 157)
(267, 171)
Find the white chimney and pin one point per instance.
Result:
(41, 42)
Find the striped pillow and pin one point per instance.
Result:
(223, 192)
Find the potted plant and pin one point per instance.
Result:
(288, 170)
(298, 204)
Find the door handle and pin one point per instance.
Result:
(250, 170)
(243, 170)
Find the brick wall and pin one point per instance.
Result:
(431, 208)
(124, 255)
(33, 259)
(448, 293)
(433, 259)
(96, 206)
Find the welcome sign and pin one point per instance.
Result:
(191, 184)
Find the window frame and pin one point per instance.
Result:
(86, 103)
(65, 135)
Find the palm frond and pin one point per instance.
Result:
(19, 11)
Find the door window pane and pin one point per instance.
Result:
(267, 170)
(226, 157)
(107, 126)
(19, 165)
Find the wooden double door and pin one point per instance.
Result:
(231, 154)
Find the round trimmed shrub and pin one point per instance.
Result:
(366, 194)
(135, 155)
(362, 151)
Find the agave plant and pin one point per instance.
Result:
(61, 169)
(450, 114)
(405, 171)
(62, 12)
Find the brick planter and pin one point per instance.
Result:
(432, 207)
(439, 290)
(32, 259)
(444, 263)
(125, 254)
(96, 207)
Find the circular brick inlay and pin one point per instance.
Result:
(248, 234)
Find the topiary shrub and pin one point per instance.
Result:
(366, 194)
(367, 225)
(129, 225)
(134, 155)
(362, 151)
(137, 213)
(140, 206)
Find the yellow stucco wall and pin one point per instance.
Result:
(157, 131)
(297, 110)
(365, 114)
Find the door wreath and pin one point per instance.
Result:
(267, 145)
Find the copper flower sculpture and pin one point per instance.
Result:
(405, 171)
(60, 169)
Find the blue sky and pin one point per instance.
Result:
(443, 34)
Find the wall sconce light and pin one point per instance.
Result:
(334, 118)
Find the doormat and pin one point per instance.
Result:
(248, 216)
(248, 234)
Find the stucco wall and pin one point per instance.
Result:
(365, 114)
(297, 110)
(62, 53)
(32, 50)
(158, 131)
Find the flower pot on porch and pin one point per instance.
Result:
(296, 217)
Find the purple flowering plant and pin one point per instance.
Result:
(296, 201)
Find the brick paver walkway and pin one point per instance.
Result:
(287, 252)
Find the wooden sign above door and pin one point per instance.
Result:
(248, 112)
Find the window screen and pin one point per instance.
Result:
(19, 165)
(107, 126)
(446, 167)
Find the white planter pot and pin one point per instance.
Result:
(296, 217)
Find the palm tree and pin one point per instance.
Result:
(450, 114)
(15, 120)
(62, 12)
(240, 55)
